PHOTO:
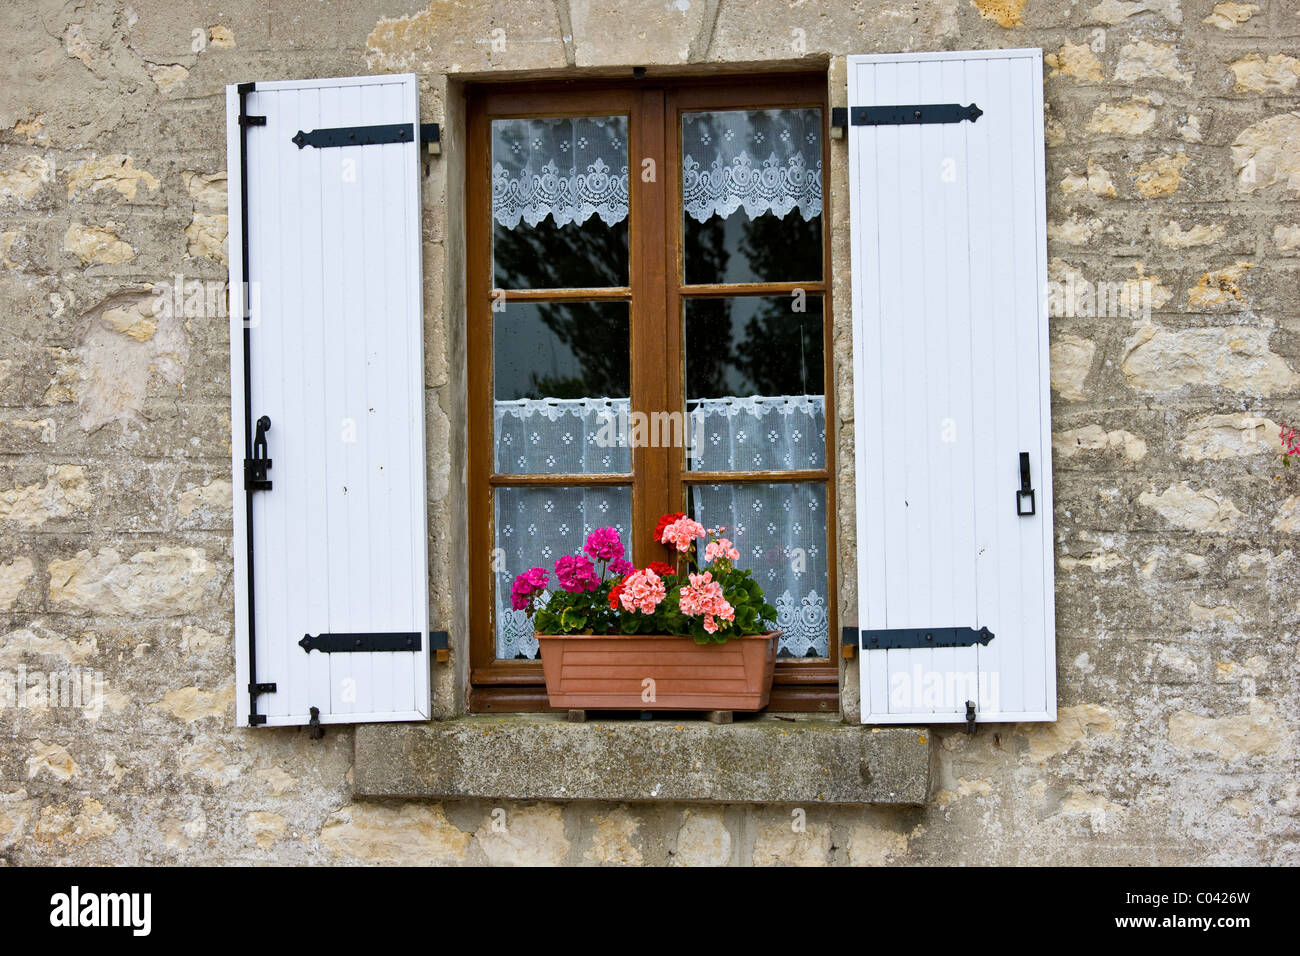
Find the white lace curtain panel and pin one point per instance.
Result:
(779, 529)
(572, 168)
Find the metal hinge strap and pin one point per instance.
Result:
(361, 643)
(913, 115)
(895, 638)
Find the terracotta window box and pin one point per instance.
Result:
(657, 672)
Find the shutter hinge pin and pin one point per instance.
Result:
(317, 731)
(970, 717)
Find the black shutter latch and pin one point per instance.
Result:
(255, 468)
(1026, 489)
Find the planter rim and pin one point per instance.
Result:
(649, 637)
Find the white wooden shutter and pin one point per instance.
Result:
(332, 354)
(951, 387)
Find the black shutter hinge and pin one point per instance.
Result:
(920, 114)
(897, 638)
(317, 731)
(839, 121)
(255, 468)
(361, 643)
(246, 120)
(261, 688)
(970, 717)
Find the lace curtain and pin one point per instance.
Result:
(569, 168)
(757, 160)
(779, 529)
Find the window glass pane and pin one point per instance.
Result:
(752, 196)
(780, 532)
(535, 527)
(754, 384)
(559, 202)
(561, 388)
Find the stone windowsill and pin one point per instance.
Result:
(768, 759)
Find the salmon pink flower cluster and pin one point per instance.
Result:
(642, 591)
(721, 548)
(682, 533)
(703, 597)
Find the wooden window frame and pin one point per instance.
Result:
(656, 294)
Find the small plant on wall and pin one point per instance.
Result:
(601, 592)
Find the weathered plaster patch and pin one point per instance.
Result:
(1005, 13)
(192, 703)
(1201, 234)
(51, 759)
(1287, 517)
(1286, 237)
(1097, 181)
(1160, 176)
(1075, 726)
(116, 173)
(206, 237)
(416, 835)
(1252, 734)
(1075, 60)
(24, 180)
(117, 359)
(1238, 358)
(1268, 152)
(265, 828)
(530, 836)
(703, 839)
(167, 76)
(1071, 361)
(14, 578)
(65, 492)
(89, 824)
(781, 844)
(1236, 435)
(164, 582)
(221, 37)
(1122, 119)
(1278, 74)
(1219, 288)
(209, 189)
(96, 244)
(613, 843)
(216, 495)
(1117, 11)
(1069, 443)
(1193, 509)
(1099, 562)
(35, 640)
(1147, 61)
(1074, 231)
(1229, 15)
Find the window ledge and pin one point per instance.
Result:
(797, 759)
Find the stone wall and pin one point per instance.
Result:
(1173, 160)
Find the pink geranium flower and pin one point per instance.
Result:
(642, 591)
(526, 585)
(603, 544)
(576, 574)
(621, 568)
(682, 533)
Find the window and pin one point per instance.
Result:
(648, 323)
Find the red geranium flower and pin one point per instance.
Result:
(664, 522)
(661, 568)
(614, 592)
